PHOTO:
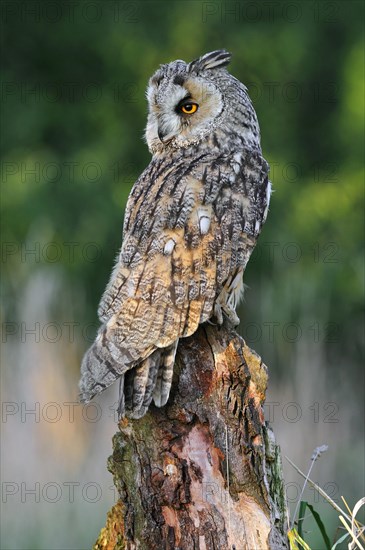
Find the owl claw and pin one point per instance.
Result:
(232, 317)
(218, 314)
(229, 314)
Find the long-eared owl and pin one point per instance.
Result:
(192, 220)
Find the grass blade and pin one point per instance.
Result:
(344, 537)
(295, 539)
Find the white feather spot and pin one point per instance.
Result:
(169, 246)
(204, 220)
(204, 224)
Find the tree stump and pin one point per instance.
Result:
(204, 471)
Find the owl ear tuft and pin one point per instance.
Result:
(211, 60)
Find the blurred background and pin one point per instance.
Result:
(73, 83)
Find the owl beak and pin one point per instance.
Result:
(163, 137)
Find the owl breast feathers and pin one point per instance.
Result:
(192, 220)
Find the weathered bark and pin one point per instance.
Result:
(204, 472)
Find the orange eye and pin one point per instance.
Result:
(189, 108)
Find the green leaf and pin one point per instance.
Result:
(321, 526)
(301, 513)
(317, 518)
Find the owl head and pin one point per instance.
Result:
(198, 102)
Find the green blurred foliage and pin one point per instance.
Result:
(82, 131)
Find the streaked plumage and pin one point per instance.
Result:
(192, 220)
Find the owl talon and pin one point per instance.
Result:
(218, 314)
(229, 315)
(232, 317)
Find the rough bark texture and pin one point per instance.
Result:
(204, 472)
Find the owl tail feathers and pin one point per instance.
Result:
(150, 380)
(138, 386)
(162, 387)
(99, 370)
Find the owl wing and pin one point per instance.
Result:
(187, 232)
